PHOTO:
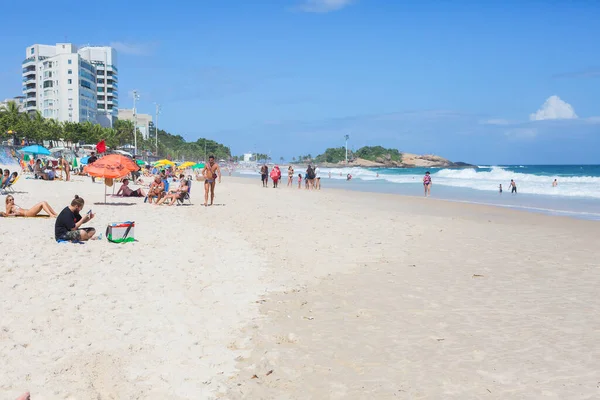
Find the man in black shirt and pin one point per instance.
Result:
(92, 159)
(69, 221)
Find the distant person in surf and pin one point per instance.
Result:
(555, 183)
(513, 186)
(500, 188)
(427, 184)
(348, 177)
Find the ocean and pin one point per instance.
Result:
(577, 194)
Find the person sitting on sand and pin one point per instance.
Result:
(157, 189)
(69, 221)
(126, 191)
(13, 210)
(38, 170)
(179, 194)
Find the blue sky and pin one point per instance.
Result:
(505, 82)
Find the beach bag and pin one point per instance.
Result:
(120, 232)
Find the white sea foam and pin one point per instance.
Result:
(487, 179)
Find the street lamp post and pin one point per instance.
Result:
(135, 97)
(347, 137)
(156, 127)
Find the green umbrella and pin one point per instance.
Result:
(199, 165)
(74, 162)
(26, 157)
(140, 162)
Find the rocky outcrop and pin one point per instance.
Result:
(408, 161)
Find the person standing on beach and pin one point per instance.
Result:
(92, 159)
(65, 166)
(427, 184)
(211, 172)
(317, 178)
(264, 175)
(290, 175)
(310, 177)
(513, 186)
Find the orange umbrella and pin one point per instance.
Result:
(111, 167)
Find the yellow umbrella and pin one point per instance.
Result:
(164, 162)
(186, 164)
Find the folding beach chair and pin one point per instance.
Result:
(9, 186)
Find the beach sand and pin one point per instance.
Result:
(342, 295)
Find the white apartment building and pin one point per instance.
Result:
(143, 121)
(61, 82)
(104, 58)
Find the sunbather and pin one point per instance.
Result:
(5, 178)
(157, 189)
(11, 179)
(126, 191)
(178, 194)
(14, 210)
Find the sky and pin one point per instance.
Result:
(505, 82)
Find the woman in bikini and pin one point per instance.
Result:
(427, 184)
(178, 194)
(14, 210)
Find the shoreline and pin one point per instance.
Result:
(544, 207)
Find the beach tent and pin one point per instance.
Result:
(111, 167)
(199, 165)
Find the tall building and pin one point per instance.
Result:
(104, 59)
(143, 121)
(61, 82)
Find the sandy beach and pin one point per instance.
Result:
(291, 294)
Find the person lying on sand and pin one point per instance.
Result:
(24, 396)
(179, 194)
(14, 210)
(126, 191)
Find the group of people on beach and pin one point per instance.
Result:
(311, 178)
(68, 223)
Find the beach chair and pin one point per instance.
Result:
(9, 186)
(187, 195)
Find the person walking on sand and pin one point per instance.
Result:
(92, 159)
(317, 177)
(264, 175)
(427, 184)
(299, 181)
(211, 172)
(513, 186)
(275, 176)
(290, 176)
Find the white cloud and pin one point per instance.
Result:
(324, 6)
(134, 49)
(554, 108)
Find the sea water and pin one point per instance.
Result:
(577, 193)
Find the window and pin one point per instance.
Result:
(32, 50)
(70, 72)
(70, 81)
(70, 61)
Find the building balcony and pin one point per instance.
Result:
(31, 68)
(30, 104)
(29, 78)
(29, 89)
(29, 60)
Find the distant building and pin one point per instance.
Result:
(61, 82)
(19, 100)
(248, 157)
(143, 121)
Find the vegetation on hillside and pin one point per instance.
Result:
(37, 129)
(371, 153)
